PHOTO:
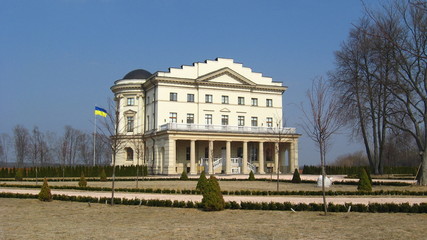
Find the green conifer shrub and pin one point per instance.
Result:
(184, 175)
(251, 176)
(296, 178)
(19, 175)
(82, 182)
(45, 195)
(201, 184)
(212, 198)
(364, 183)
(103, 176)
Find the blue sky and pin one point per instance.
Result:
(59, 58)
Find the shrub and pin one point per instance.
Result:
(19, 175)
(364, 183)
(296, 178)
(212, 198)
(82, 182)
(201, 184)
(183, 175)
(251, 176)
(103, 176)
(45, 195)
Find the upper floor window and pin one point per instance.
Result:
(131, 101)
(190, 118)
(172, 117)
(208, 98)
(208, 119)
(224, 120)
(173, 96)
(224, 99)
(190, 97)
(269, 122)
(254, 101)
(241, 100)
(241, 120)
(269, 102)
(254, 121)
(130, 124)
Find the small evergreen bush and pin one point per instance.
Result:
(201, 184)
(103, 176)
(45, 195)
(183, 175)
(364, 183)
(296, 178)
(212, 198)
(82, 182)
(251, 176)
(19, 175)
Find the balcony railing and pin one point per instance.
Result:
(225, 128)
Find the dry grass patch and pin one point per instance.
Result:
(32, 219)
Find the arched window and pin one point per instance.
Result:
(129, 154)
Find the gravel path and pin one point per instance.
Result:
(198, 198)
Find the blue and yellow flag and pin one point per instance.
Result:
(100, 111)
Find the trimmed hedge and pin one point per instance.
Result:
(272, 206)
(342, 170)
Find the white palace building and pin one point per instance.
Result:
(215, 116)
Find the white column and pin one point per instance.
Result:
(291, 156)
(276, 157)
(193, 169)
(245, 158)
(228, 157)
(210, 158)
(170, 158)
(261, 158)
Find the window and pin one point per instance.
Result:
(224, 120)
(241, 100)
(131, 101)
(148, 100)
(254, 101)
(208, 119)
(269, 103)
(190, 97)
(129, 154)
(187, 153)
(129, 125)
(269, 122)
(254, 121)
(241, 120)
(208, 98)
(172, 117)
(173, 96)
(190, 118)
(224, 99)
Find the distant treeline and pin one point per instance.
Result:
(73, 171)
(343, 170)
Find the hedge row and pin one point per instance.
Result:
(236, 192)
(73, 171)
(342, 170)
(286, 206)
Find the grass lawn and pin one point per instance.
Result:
(32, 219)
(228, 185)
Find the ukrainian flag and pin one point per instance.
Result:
(100, 111)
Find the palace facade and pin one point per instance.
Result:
(215, 116)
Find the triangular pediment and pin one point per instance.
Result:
(226, 76)
(129, 112)
(225, 110)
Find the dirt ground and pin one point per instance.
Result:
(228, 185)
(32, 219)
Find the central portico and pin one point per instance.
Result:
(216, 116)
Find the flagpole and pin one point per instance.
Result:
(94, 141)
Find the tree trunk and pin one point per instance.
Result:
(322, 163)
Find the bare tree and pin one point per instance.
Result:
(138, 146)
(84, 148)
(321, 121)
(21, 140)
(403, 25)
(5, 145)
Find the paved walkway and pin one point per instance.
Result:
(198, 198)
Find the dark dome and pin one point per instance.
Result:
(138, 74)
